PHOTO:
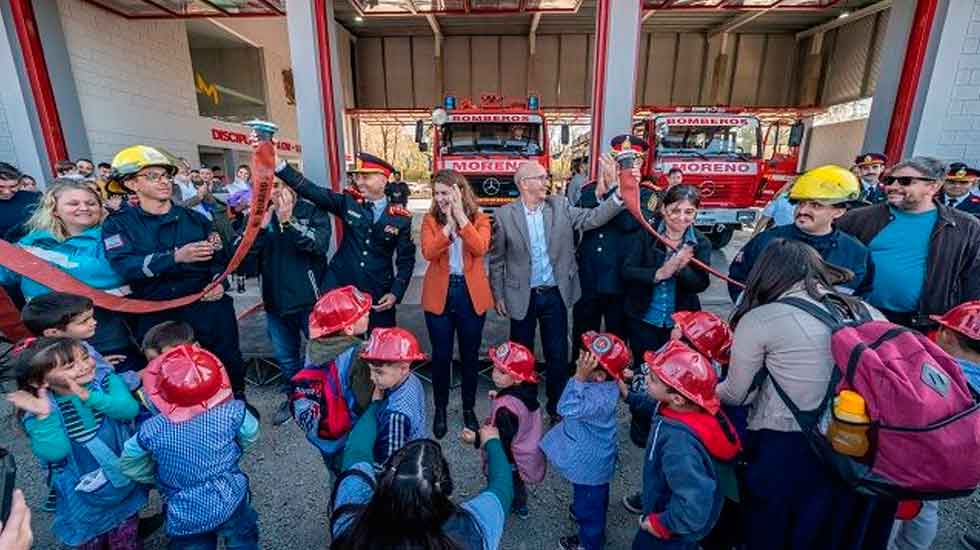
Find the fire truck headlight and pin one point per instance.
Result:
(439, 116)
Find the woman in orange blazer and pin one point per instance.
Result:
(455, 291)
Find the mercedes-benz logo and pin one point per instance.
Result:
(707, 189)
(491, 186)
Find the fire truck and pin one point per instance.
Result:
(486, 142)
(722, 151)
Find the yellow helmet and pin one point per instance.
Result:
(829, 184)
(131, 160)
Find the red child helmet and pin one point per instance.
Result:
(707, 333)
(964, 319)
(388, 345)
(186, 381)
(338, 309)
(516, 359)
(613, 354)
(686, 371)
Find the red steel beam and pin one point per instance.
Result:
(329, 107)
(603, 8)
(915, 54)
(37, 74)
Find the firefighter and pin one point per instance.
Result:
(601, 252)
(820, 197)
(869, 167)
(375, 232)
(166, 251)
(957, 190)
(397, 190)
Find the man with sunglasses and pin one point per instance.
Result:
(819, 197)
(958, 189)
(165, 251)
(926, 254)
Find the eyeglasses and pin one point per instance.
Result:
(539, 179)
(154, 177)
(904, 181)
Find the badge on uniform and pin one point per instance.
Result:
(652, 202)
(353, 214)
(112, 242)
(392, 230)
(396, 210)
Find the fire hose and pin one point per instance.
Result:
(28, 265)
(629, 187)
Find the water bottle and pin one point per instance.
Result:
(850, 424)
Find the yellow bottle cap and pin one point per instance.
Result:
(851, 404)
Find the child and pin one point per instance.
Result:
(163, 337)
(583, 446)
(191, 450)
(682, 494)
(78, 414)
(390, 353)
(516, 414)
(337, 322)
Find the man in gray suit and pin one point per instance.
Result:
(532, 264)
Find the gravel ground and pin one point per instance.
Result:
(291, 487)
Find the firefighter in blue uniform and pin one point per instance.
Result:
(374, 231)
(600, 252)
(820, 196)
(165, 251)
(958, 188)
(870, 167)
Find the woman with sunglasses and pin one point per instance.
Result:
(926, 254)
(661, 281)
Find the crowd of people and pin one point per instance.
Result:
(751, 427)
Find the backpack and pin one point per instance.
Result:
(925, 419)
(322, 387)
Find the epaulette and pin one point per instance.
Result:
(398, 210)
(354, 192)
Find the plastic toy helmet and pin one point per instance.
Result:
(516, 359)
(613, 354)
(707, 333)
(828, 184)
(338, 309)
(964, 319)
(186, 381)
(686, 371)
(131, 160)
(389, 345)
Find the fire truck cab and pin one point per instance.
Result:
(721, 152)
(487, 142)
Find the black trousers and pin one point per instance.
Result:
(215, 328)
(547, 309)
(458, 321)
(644, 337)
(590, 312)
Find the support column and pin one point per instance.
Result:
(617, 40)
(21, 143)
(812, 69)
(719, 73)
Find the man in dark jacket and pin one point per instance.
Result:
(292, 252)
(397, 190)
(957, 190)
(166, 251)
(926, 254)
(821, 196)
(15, 206)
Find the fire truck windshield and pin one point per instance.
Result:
(705, 137)
(491, 138)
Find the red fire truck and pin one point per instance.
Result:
(723, 152)
(486, 142)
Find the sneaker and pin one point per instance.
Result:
(970, 541)
(150, 524)
(470, 421)
(521, 511)
(569, 543)
(283, 414)
(634, 503)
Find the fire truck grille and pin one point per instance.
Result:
(496, 187)
(725, 192)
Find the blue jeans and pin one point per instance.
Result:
(589, 505)
(286, 332)
(919, 532)
(240, 532)
(547, 309)
(458, 320)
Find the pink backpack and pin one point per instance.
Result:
(925, 418)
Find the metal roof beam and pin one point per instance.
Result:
(532, 35)
(647, 15)
(739, 20)
(839, 21)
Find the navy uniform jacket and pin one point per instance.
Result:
(601, 251)
(873, 195)
(140, 247)
(970, 205)
(365, 255)
(836, 248)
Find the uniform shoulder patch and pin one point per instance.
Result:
(113, 241)
(398, 210)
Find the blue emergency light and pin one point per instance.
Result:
(450, 102)
(533, 103)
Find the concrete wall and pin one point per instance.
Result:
(835, 143)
